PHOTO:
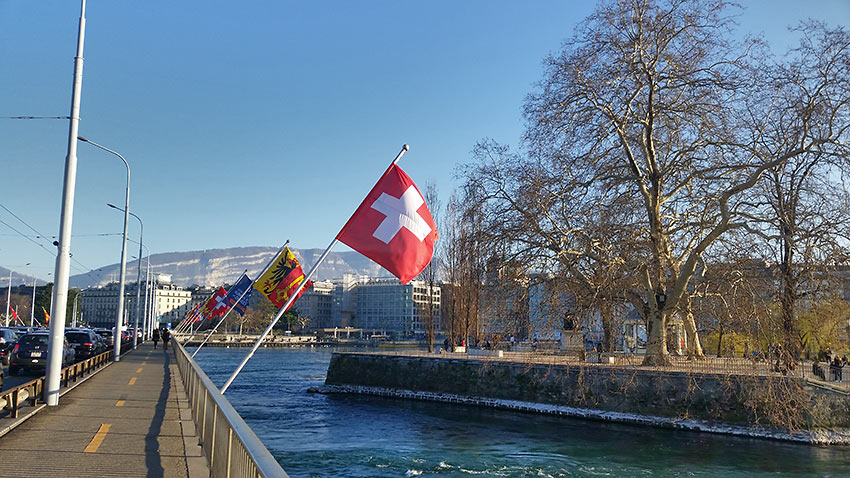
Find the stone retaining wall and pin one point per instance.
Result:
(731, 399)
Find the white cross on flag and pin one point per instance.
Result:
(393, 226)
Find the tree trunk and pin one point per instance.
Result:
(608, 334)
(719, 341)
(788, 302)
(694, 345)
(656, 346)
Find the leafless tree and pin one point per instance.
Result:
(643, 139)
(430, 273)
(464, 256)
(800, 207)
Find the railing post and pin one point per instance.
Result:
(212, 440)
(204, 419)
(229, 450)
(14, 404)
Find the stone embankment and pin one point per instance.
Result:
(760, 406)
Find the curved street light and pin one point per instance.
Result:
(119, 318)
(138, 275)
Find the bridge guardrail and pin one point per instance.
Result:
(232, 448)
(30, 393)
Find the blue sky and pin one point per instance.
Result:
(250, 123)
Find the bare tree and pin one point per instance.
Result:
(646, 132)
(800, 207)
(464, 256)
(430, 273)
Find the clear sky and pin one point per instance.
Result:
(252, 122)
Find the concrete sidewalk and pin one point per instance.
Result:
(124, 421)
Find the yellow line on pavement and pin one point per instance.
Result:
(95, 442)
(139, 370)
(132, 381)
(120, 403)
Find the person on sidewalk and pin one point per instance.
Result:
(166, 336)
(155, 337)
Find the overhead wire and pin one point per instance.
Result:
(82, 268)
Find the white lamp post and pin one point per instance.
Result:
(119, 318)
(138, 276)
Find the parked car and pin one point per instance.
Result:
(30, 353)
(8, 339)
(86, 343)
(107, 336)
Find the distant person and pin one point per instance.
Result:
(817, 370)
(166, 336)
(155, 337)
(836, 368)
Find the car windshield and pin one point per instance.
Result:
(78, 337)
(35, 339)
(104, 333)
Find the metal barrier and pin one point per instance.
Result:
(30, 392)
(231, 446)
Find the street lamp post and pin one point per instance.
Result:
(119, 318)
(8, 297)
(63, 257)
(32, 309)
(138, 276)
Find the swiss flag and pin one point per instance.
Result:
(393, 226)
(216, 305)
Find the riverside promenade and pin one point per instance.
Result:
(131, 419)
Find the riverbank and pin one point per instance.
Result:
(778, 408)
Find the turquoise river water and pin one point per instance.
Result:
(315, 435)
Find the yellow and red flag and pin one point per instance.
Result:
(282, 279)
(46, 316)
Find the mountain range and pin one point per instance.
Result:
(17, 279)
(214, 267)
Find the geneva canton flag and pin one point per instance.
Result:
(393, 226)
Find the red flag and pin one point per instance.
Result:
(393, 226)
(216, 305)
(14, 314)
(190, 315)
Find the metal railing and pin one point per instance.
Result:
(232, 448)
(29, 394)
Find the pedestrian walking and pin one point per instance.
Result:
(155, 337)
(166, 336)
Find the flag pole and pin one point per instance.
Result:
(269, 264)
(294, 295)
(219, 323)
(228, 309)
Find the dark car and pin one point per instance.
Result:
(8, 339)
(107, 336)
(30, 353)
(86, 343)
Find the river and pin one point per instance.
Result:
(315, 435)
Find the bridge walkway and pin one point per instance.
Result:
(131, 419)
